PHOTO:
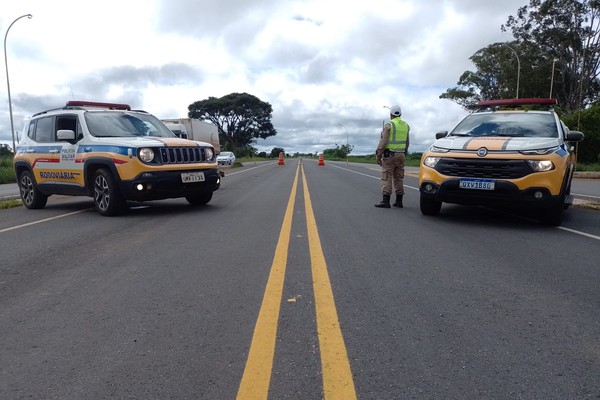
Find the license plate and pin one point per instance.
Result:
(188, 177)
(477, 184)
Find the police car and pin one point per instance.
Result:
(514, 152)
(113, 154)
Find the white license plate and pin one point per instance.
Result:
(477, 184)
(188, 177)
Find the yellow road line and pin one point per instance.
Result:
(337, 376)
(257, 374)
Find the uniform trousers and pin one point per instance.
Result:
(392, 174)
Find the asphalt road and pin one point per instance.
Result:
(291, 284)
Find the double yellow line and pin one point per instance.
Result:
(337, 376)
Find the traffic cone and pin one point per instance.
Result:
(281, 158)
(321, 160)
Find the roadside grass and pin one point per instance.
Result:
(10, 204)
(7, 174)
(588, 167)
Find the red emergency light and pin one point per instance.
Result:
(110, 106)
(516, 102)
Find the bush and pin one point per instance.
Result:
(7, 174)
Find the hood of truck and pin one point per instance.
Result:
(495, 143)
(151, 142)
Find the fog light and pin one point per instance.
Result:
(139, 187)
(429, 187)
(538, 195)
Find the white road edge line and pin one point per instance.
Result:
(589, 235)
(249, 169)
(42, 220)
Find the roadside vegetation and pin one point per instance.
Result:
(7, 175)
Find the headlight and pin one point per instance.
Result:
(436, 149)
(146, 155)
(540, 165)
(431, 162)
(539, 152)
(209, 153)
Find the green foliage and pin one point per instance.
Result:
(5, 151)
(587, 121)
(555, 53)
(566, 31)
(240, 118)
(589, 167)
(7, 173)
(10, 204)
(275, 152)
(340, 152)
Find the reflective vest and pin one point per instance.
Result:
(398, 135)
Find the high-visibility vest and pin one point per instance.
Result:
(398, 135)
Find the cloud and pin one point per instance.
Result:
(319, 63)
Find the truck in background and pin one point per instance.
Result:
(195, 129)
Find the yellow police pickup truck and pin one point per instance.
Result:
(509, 153)
(113, 154)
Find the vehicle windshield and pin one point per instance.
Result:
(514, 124)
(123, 124)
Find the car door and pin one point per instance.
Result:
(54, 162)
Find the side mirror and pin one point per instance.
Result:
(442, 134)
(65, 135)
(574, 136)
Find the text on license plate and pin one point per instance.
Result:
(187, 177)
(479, 184)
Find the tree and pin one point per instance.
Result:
(339, 151)
(587, 121)
(499, 73)
(275, 152)
(5, 150)
(566, 31)
(240, 118)
(557, 47)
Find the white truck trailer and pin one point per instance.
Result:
(194, 129)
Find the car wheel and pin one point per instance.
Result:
(199, 199)
(31, 196)
(429, 206)
(107, 197)
(552, 216)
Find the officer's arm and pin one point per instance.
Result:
(383, 141)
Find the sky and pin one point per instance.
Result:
(329, 68)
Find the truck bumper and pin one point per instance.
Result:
(504, 194)
(168, 184)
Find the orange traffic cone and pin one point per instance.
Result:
(281, 158)
(321, 160)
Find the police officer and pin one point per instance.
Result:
(391, 155)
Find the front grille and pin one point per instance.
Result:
(181, 155)
(482, 168)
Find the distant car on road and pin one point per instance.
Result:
(226, 158)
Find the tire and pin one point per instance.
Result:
(552, 216)
(429, 206)
(199, 199)
(107, 196)
(31, 196)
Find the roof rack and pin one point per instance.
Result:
(110, 106)
(513, 103)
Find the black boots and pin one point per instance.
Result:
(385, 203)
(398, 202)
